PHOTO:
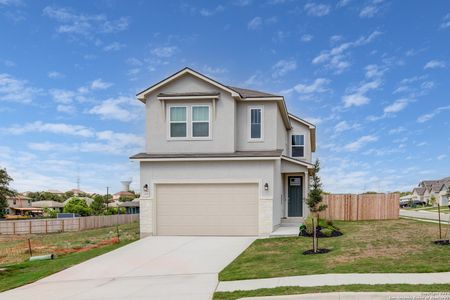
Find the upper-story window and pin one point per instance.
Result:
(200, 121)
(298, 145)
(178, 122)
(256, 123)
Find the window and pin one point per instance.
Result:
(298, 145)
(178, 122)
(200, 121)
(256, 123)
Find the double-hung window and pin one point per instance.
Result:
(298, 145)
(200, 121)
(178, 122)
(256, 123)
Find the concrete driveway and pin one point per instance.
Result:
(159, 267)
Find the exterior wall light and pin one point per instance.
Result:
(145, 188)
(266, 186)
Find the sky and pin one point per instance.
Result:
(372, 75)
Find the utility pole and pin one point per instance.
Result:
(107, 196)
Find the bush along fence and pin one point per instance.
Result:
(40, 226)
(351, 207)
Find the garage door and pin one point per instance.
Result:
(207, 209)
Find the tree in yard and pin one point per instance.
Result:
(98, 206)
(432, 200)
(5, 190)
(314, 201)
(77, 206)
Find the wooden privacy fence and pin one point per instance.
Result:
(64, 225)
(350, 207)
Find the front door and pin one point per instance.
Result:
(295, 196)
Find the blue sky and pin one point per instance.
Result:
(373, 75)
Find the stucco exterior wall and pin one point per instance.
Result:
(299, 128)
(269, 127)
(282, 134)
(222, 125)
(260, 171)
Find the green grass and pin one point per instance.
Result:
(293, 290)
(400, 246)
(13, 275)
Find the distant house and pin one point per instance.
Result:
(21, 206)
(48, 204)
(131, 207)
(55, 192)
(437, 188)
(117, 196)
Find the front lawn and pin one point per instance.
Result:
(295, 290)
(392, 246)
(72, 248)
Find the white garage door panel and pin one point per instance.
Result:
(207, 209)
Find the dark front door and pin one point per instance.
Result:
(295, 196)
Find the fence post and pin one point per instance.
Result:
(46, 226)
(63, 227)
(29, 227)
(14, 227)
(79, 223)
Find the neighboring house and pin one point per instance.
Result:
(220, 160)
(131, 207)
(21, 206)
(437, 188)
(48, 204)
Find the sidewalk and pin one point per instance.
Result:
(335, 279)
(420, 214)
(359, 295)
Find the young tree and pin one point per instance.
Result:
(77, 206)
(314, 200)
(5, 191)
(98, 206)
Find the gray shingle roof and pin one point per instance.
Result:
(246, 93)
(420, 190)
(275, 153)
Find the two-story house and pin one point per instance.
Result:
(220, 160)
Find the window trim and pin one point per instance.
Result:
(249, 124)
(169, 132)
(292, 146)
(191, 135)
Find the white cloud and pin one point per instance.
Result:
(441, 157)
(397, 130)
(99, 84)
(317, 10)
(57, 128)
(83, 24)
(211, 12)
(164, 52)
(358, 96)
(115, 46)
(361, 142)
(255, 23)
(68, 109)
(426, 117)
(396, 106)
(306, 38)
(374, 71)
(16, 90)
(435, 64)
(319, 85)
(336, 58)
(121, 108)
(371, 9)
(283, 67)
(343, 3)
(55, 75)
(445, 22)
(344, 126)
(63, 96)
(214, 71)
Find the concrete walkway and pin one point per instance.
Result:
(159, 267)
(360, 296)
(420, 214)
(335, 279)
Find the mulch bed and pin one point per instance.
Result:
(442, 242)
(319, 251)
(319, 234)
